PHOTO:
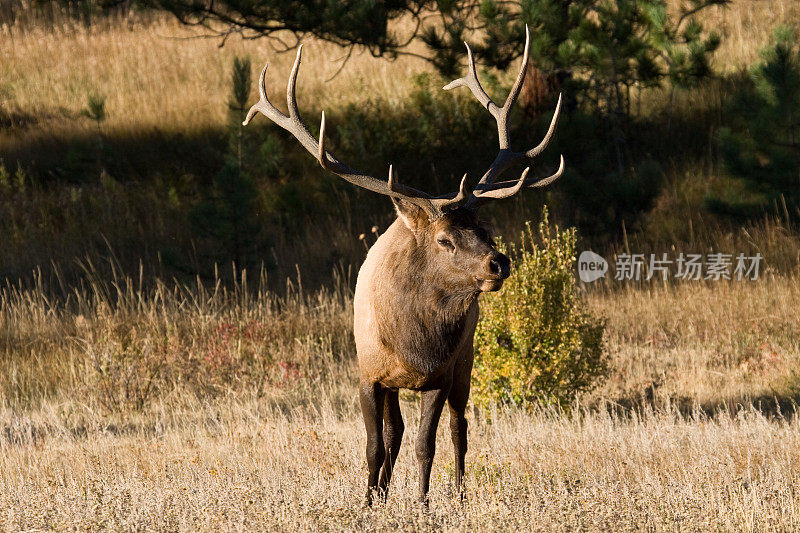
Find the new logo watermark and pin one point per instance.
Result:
(591, 266)
(689, 266)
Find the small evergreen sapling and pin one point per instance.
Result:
(228, 214)
(96, 111)
(240, 96)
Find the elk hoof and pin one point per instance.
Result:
(374, 495)
(423, 502)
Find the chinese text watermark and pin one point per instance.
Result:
(685, 266)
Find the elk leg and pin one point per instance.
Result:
(372, 396)
(458, 432)
(392, 437)
(432, 404)
(459, 395)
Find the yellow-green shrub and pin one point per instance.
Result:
(535, 341)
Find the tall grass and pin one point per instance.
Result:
(252, 422)
(119, 345)
(716, 343)
(746, 27)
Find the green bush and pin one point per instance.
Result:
(535, 340)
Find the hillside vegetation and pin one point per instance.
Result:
(146, 383)
(127, 185)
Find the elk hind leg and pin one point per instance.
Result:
(372, 396)
(458, 432)
(392, 437)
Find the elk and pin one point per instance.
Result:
(416, 297)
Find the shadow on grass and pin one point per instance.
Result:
(133, 156)
(777, 406)
(432, 138)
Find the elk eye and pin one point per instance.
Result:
(444, 242)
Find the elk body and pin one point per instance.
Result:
(416, 298)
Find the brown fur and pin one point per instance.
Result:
(416, 308)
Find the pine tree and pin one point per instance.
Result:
(228, 213)
(601, 53)
(762, 143)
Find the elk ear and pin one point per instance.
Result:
(412, 216)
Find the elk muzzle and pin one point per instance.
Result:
(497, 268)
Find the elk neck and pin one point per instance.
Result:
(418, 286)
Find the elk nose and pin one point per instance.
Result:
(499, 265)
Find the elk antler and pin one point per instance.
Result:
(486, 189)
(293, 123)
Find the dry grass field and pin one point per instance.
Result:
(156, 74)
(165, 408)
(244, 466)
(252, 419)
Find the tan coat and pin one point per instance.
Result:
(409, 332)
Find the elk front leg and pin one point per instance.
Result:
(392, 437)
(458, 398)
(432, 404)
(372, 397)
(458, 432)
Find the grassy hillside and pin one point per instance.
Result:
(130, 185)
(143, 388)
(158, 74)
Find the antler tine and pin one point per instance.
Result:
(262, 99)
(291, 96)
(505, 157)
(533, 152)
(321, 153)
(445, 202)
(553, 177)
(515, 90)
(294, 124)
(435, 207)
(471, 81)
(392, 178)
(505, 191)
(495, 191)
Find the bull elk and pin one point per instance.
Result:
(416, 298)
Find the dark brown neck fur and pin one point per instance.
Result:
(428, 312)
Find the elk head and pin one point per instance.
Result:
(445, 228)
(456, 247)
